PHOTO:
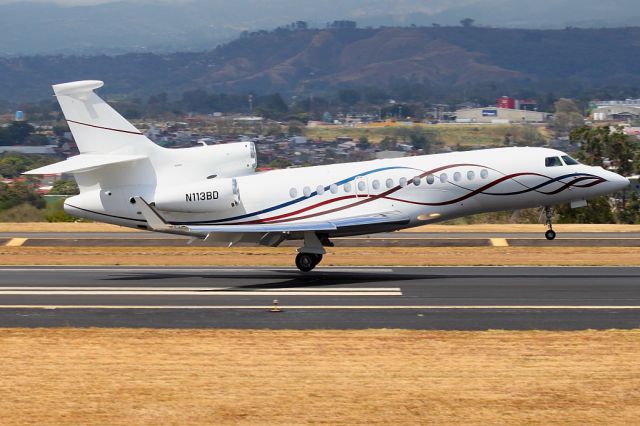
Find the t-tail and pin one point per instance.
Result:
(118, 162)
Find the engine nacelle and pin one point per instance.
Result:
(198, 197)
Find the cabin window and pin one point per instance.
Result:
(320, 190)
(333, 188)
(403, 182)
(306, 191)
(457, 176)
(347, 187)
(470, 175)
(430, 179)
(375, 184)
(552, 162)
(389, 183)
(361, 186)
(484, 173)
(569, 161)
(293, 192)
(416, 181)
(443, 178)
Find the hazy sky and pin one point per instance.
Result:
(74, 2)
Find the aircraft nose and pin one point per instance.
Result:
(620, 182)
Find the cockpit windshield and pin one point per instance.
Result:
(569, 161)
(552, 162)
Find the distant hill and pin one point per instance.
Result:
(316, 61)
(160, 26)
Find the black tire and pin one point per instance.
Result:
(318, 258)
(550, 234)
(306, 261)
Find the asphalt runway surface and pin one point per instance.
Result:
(387, 239)
(450, 298)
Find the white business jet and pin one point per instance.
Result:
(213, 192)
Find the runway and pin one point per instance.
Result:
(451, 298)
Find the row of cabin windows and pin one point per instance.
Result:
(389, 183)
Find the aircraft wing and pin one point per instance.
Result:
(157, 223)
(329, 225)
(83, 162)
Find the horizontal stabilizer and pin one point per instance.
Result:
(83, 162)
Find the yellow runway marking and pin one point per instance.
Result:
(16, 242)
(499, 242)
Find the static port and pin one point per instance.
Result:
(132, 200)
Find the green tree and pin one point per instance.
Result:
(631, 212)
(19, 193)
(64, 187)
(17, 133)
(567, 116)
(12, 164)
(598, 143)
(597, 211)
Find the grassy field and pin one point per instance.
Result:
(449, 135)
(141, 376)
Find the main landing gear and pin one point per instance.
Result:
(550, 234)
(307, 261)
(311, 253)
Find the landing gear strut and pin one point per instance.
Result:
(550, 234)
(311, 253)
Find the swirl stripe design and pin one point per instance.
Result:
(588, 179)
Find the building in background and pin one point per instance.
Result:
(496, 115)
(627, 110)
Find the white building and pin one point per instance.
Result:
(500, 115)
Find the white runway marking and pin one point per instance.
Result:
(333, 307)
(196, 291)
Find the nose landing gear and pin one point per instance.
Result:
(550, 234)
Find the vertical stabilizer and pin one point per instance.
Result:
(96, 127)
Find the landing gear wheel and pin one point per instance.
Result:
(318, 258)
(306, 261)
(550, 234)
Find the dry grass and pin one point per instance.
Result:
(62, 227)
(103, 227)
(344, 256)
(476, 135)
(127, 376)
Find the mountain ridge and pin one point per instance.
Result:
(317, 61)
